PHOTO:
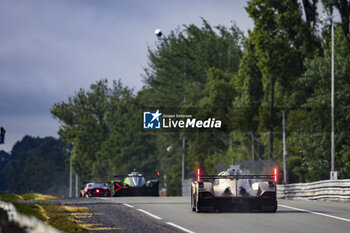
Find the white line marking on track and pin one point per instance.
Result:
(148, 213)
(128, 205)
(179, 227)
(317, 213)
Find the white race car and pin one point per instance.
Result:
(234, 190)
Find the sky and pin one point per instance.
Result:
(49, 49)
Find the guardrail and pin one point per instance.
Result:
(320, 190)
(186, 188)
(12, 221)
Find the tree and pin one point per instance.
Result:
(84, 125)
(103, 127)
(128, 147)
(280, 47)
(315, 137)
(189, 69)
(177, 68)
(41, 166)
(4, 159)
(343, 7)
(244, 114)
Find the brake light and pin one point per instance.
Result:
(275, 174)
(198, 174)
(97, 190)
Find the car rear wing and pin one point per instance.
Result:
(148, 177)
(273, 177)
(99, 182)
(267, 177)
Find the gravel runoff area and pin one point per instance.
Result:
(107, 217)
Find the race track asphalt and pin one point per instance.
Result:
(173, 214)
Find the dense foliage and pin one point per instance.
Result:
(37, 165)
(103, 127)
(4, 159)
(282, 65)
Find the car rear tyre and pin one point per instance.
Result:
(275, 209)
(197, 208)
(193, 207)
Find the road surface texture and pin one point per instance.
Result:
(173, 214)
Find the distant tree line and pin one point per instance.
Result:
(35, 165)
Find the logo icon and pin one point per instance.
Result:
(151, 120)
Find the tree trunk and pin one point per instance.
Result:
(253, 145)
(272, 100)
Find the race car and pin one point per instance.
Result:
(234, 190)
(96, 190)
(135, 184)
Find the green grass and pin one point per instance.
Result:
(6, 197)
(60, 218)
(57, 216)
(38, 196)
(29, 209)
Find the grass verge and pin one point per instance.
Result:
(6, 197)
(58, 216)
(38, 196)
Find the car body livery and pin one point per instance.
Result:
(96, 190)
(234, 190)
(135, 184)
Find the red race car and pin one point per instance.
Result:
(96, 190)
